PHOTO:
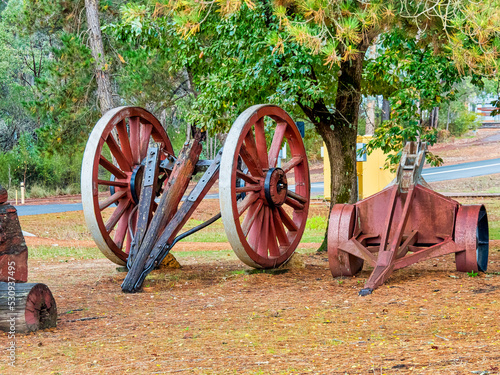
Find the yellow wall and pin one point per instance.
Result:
(372, 177)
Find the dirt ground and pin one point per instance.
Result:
(210, 317)
(214, 316)
(483, 145)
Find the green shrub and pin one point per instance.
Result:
(463, 122)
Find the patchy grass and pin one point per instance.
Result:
(60, 252)
(493, 209)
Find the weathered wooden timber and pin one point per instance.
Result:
(263, 219)
(3, 195)
(13, 250)
(176, 186)
(26, 307)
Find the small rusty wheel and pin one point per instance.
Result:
(115, 163)
(263, 218)
(471, 235)
(340, 229)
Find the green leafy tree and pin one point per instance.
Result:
(306, 55)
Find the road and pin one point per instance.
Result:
(448, 172)
(464, 170)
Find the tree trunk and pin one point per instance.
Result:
(370, 116)
(104, 92)
(340, 129)
(26, 308)
(386, 110)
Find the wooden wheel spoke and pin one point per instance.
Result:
(254, 234)
(261, 143)
(112, 199)
(117, 214)
(251, 216)
(280, 230)
(121, 229)
(135, 138)
(274, 250)
(278, 137)
(246, 177)
(263, 231)
(118, 154)
(251, 147)
(252, 163)
(289, 223)
(264, 234)
(146, 130)
(248, 188)
(296, 196)
(117, 183)
(296, 160)
(116, 146)
(121, 129)
(296, 205)
(249, 199)
(128, 244)
(113, 169)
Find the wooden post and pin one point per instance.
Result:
(22, 192)
(13, 250)
(26, 307)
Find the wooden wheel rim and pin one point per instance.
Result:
(340, 229)
(276, 241)
(143, 127)
(471, 235)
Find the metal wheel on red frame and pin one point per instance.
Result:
(471, 234)
(115, 150)
(263, 218)
(340, 229)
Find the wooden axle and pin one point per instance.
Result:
(167, 221)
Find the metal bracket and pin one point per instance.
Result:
(166, 241)
(149, 173)
(201, 165)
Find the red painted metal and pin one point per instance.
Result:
(404, 224)
(469, 228)
(341, 228)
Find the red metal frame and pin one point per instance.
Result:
(404, 224)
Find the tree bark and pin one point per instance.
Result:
(370, 116)
(340, 128)
(386, 110)
(104, 91)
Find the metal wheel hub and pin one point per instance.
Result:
(135, 182)
(275, 187)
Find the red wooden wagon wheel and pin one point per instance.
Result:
(340, 229)
(115, 150)
(471, 234)
(264, 219)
